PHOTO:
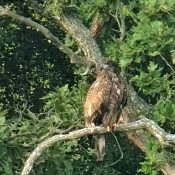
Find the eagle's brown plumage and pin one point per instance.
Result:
(104, 102)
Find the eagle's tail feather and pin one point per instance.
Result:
(100, 146)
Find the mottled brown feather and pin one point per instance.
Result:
(105, 95)
(105, 99)
(97, 95)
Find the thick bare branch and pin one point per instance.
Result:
(144, 123)
(74, 27)
(120, 18)
(51, 38)
(81, 34)
(92, 52)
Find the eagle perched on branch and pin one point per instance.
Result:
(104, 102)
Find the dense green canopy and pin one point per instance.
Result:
(41, 90)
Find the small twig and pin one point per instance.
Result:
(60, 131)
(122, 30)
(164, 59)
(120, 18)
(157, 53)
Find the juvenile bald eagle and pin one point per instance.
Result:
(105, 99)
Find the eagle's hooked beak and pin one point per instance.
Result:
(89, 68)
(87, 71)
(105, 66)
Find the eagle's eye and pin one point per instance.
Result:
(105, 66)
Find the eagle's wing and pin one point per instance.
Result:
(103, 104)
(97, 95)
(118, 99)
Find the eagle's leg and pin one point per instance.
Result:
(119, 120)
(111, 119)
(89, 124)
(108, 128)
(106, 121)
(92, 126)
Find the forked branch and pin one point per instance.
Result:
(91, 51)
(144, 123)
(51, 38)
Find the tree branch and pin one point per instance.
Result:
(120, 18)
(167, 63)
(91, 51)
(158, 53)
(81, 35)
(53, 39)
(144, 123)
(74, 27)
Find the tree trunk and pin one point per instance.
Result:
(91, 51)
(135, 104)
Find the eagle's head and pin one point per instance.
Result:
(108, 66)
(104, 65)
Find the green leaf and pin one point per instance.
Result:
(152, 66)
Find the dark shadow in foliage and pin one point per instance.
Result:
(30, 66)
(88, 165)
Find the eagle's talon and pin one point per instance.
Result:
(108, 128)
(115, 126)
(92, 126)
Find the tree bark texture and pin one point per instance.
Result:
(88, 45)
(135, 104)
(163, 137)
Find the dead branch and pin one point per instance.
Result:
(120, 18)
(135, 105)
(83, 37)
(51, 38)
(74, 27)
(144, 123)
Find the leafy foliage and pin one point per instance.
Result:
(30, 66)
(153, 160)
(40, 93)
